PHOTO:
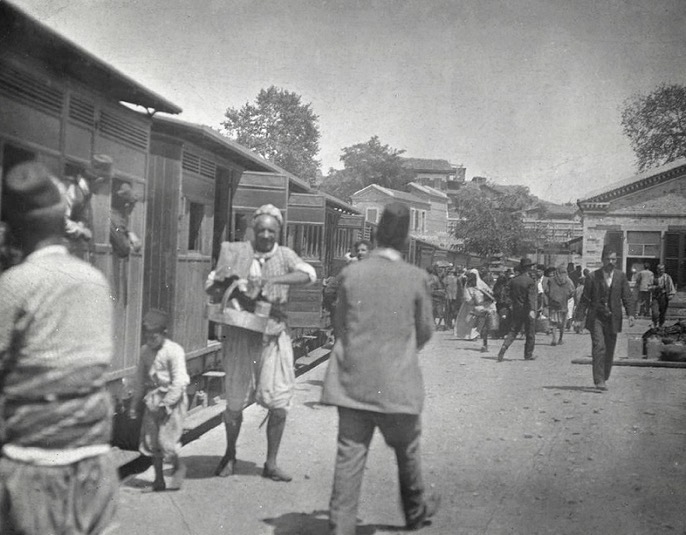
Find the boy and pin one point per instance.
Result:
(161, 383)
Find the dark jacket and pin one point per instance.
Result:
(523, 294)
(598, 298)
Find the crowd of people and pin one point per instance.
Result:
(57, 473)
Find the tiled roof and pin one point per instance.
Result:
(428, 190)
(422, 164)
(633, 183)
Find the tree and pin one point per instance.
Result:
(364, 164)
(490, 226)
(656, 125)
(280, 128)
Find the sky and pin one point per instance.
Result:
(520, 91)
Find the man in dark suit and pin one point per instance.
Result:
(383, 318)
(606, 290)
(523, 296)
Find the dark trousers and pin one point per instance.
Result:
(659, 309)
(355, 429)
(644, 303)
(603, 342)
(520, 320)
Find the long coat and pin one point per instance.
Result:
(596, 294)
(383, 317)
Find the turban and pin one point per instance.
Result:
(269, 209)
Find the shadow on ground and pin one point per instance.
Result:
(317, 523)
(587, 389)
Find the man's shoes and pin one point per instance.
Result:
(431, 505)
(276, 474)
(530, 357)
(501, 356)
(601, 386)
(226, 467)
(553, 343)
(560, 342)
(484, 349)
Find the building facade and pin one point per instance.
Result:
(643, 218)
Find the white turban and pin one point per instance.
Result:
(269, 209)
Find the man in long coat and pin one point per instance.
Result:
(523, 291)
(606, 290)
(383, 318)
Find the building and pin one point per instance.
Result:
(438, 174)
(437, 216)
(372, 199)
(643, 218)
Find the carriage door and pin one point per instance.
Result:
(675, 257)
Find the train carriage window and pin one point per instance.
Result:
(196, 214)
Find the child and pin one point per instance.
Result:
(161, 382)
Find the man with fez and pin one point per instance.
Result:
(57, 474)
(523, 292)
(383, 318)
(265, 267)
(605, 291)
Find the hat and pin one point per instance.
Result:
(155, 320)
(126, 194)
(393, 226)
(525, 263)
(31, 195)
(269, 209)
(101, 167)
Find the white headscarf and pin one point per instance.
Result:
(481, 285)
(269, 209)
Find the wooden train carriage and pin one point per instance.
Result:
(321, 229)
(60, 105)
(194, 173)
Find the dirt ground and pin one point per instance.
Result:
(515, 447)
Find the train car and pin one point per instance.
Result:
(193, 177)
(317, 226)
(60, 105)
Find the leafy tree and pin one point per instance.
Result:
(656, 125)
(279, 127)
(364, 164)
(490, 226)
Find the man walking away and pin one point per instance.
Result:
(57, 474)
(605, 291)
(663, 290)
(524, 299)
(644, 283)
(383, 319)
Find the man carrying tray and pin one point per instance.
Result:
(259, 366)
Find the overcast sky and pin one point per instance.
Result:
(521, 91)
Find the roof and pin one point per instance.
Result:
(428, 190)
(503, 189)
(553, 209)
(422, 164)
(671, 204)
(21, 33)
(208, 137)
(639, 181)
(400, 195)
